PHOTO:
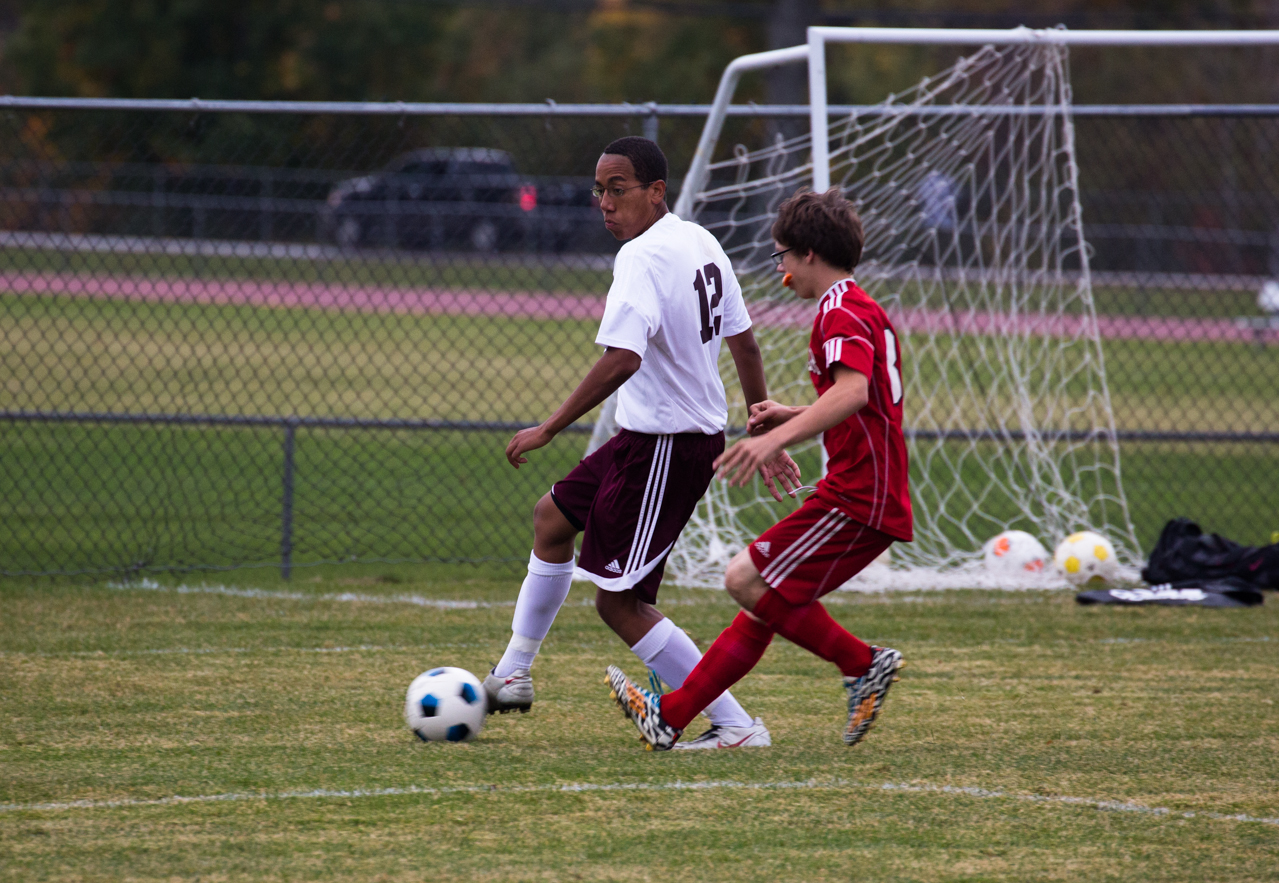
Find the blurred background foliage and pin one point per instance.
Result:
(537, 50)
(565, 50)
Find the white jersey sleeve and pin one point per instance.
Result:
(632, 313)
(736, 319)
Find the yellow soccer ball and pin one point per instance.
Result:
(1084, 557)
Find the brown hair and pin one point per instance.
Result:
(823, 223)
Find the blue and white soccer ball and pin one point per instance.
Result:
(445, 705)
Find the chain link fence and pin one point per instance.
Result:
(280, 335)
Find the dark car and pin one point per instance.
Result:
(444, 197)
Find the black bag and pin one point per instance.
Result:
(1185, 552)
(1228, 591)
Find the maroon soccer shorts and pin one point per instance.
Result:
(631, 498)
(815, 550)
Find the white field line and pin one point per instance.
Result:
(342, 597)
(622, 787)
(212, 651)
(408, 648)
(1262, 639)
(147, 585)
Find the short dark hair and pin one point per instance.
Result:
(645, 156)
(826, 224)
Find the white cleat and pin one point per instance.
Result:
(754, 736)
(511, 693)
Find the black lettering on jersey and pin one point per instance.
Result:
(711, 320)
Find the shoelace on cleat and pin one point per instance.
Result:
(655, 681)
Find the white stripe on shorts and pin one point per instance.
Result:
(656, 514)
(795, 547)
(826, 527)
(651, 508)
(829, 531)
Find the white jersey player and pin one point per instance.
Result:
(673, 301)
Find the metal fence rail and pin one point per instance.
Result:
(200, 369)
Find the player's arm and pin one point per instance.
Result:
(845, 398)
(750, 366)
(613, 369)
(750, 373)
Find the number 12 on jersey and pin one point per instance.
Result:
(710, 302)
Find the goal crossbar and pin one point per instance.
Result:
(814, 53)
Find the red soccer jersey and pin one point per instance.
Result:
(866, 470)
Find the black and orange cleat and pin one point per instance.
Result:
(866, 693)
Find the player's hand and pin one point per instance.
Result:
(524, 441)
(739, 463)
(768, 415)
(780, 470)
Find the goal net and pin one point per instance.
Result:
(967, 187)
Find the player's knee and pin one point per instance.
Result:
(549, 522)
(610, 607)
(542, 508)
(743, 581)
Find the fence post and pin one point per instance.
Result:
(650, 123)
(286, 507)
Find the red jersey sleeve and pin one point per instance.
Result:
(845, 340)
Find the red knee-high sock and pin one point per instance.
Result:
(811, 627)
(734, 653)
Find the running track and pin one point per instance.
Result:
(551, 306)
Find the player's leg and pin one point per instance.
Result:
(550, 572)
(666, 649)
(645, 502)
(778, 578)
(558, 517)
(766, 611)
(804, 556)
(734, 653)
(808, 554)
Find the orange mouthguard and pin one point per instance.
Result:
(786, 280)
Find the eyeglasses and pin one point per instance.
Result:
(777, 255)
(615, 192)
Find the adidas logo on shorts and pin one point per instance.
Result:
(613, 566)
(763, 547)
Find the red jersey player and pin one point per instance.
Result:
(860, 508)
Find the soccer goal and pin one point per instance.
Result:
(968, 187)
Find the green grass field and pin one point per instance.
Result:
(101, 497)
(253, 731)
(142, 498)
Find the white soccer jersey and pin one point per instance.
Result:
(673, 300)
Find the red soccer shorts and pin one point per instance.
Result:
(815, 550)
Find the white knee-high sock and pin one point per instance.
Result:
(541, 597)
(668, 650)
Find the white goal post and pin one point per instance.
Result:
(814, 53)
(968, 185)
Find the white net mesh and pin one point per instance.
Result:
(967, 187)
